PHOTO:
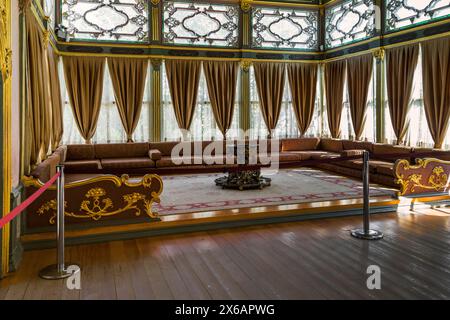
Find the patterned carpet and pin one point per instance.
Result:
(198, 192)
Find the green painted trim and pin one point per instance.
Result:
(16, 248)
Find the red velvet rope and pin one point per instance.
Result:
(27, 202)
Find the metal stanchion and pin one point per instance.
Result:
(58, 270)
(366, 233)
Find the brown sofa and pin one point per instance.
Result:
(143, 158)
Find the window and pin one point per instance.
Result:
(201, 24)
(109, 125)
(348, 22)
(50, 11)
(369, 131)
(287, 122)
(418, 134)
(407, 13)
(203, 125)
(284, 28)
(109, 20)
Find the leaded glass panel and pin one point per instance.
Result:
(406, 13)
(284, 28)
(110, 20)
(192, 23)
(348, 22)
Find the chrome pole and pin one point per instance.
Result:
(58, 270)
(366, 233)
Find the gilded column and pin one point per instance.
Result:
(246, 30)
(380, 94)
(5, 147)
(156, 86)
(156, 20)
(244, 115)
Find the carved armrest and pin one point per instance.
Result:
(428, 175)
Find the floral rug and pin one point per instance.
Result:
(198, 192)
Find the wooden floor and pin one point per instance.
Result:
(303, 260)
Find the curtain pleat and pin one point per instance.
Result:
(55, 98)
(39, 107)
(221, 80)
(359, 73)
(436, 87)
(303, 83)
(400, 66)
(84, 82)
(270, 78)
(334, 92)
(128, 78)
(183, 77)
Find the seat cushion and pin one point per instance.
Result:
(323, 154)
(219, 159)
(121, 150)
(289, 156)
(82, 165)
(300, 144)
(165, 161)
(381, 167)
(80, 152)
(124, 163)
(333, 145)
(436, 153)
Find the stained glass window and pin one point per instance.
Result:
(110, 20)
(284, 28)
(201, 24)
(348, 22)
(406, 13)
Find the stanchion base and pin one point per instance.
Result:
(371, 235)
(51, 272)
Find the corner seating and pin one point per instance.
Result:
(143, 158)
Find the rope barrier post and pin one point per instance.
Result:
(366, 233)
(59, 270)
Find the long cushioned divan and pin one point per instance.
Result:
(124, 163)
(315, 155)
(80, 152)
(121, 150)
(164, 147)
(82, 166)
(301, 144)
(382, 179)
(340, 170)
(213, 159)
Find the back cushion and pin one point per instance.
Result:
(266, 145)
(357, 145)
(164, 147)
(379, 149)
(301, 144)
(436, 153)
(62, 152)
(121, 150)
(80, 152)
(47, 168)
(333, 145)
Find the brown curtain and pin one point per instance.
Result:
(269, 77)
(39, 107)
(128, 78)
(400, 66)
(183, 77)
(55, 98)
(359, 73)
(84, 82)
(221, 79)
(334, 92)
(303, 82)
(436, 87)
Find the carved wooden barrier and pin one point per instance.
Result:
(98, 199)
(426, 176)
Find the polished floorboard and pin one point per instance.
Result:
(314, 259)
